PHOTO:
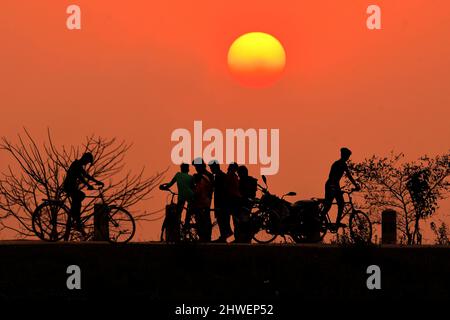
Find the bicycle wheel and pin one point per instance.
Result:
(49, 221)
(163, 237)
(75, 235)
(262, 225)
(170, 224)
(121, 225)
(360, 227)
(189, 231)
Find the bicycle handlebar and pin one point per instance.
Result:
(168, 190)
(100, 192)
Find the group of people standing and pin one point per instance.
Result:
(233, 193)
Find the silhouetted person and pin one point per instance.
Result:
(185, 185)
(333, 188)
(201, 205)
(75, 176)
(220, 202)
(248, 186)
(233, 196)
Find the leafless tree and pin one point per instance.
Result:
(413, 189)
(38, 170)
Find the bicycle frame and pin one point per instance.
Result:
(349, 207)
(189, 212)
(173, 195)
(86, 216)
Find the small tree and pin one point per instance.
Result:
(413, 189)
(37, 172)
(441, 233)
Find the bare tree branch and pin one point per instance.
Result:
(38, 172)
(387, 184)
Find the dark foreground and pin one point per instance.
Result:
(202, 274)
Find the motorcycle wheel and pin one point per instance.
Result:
(261, 225)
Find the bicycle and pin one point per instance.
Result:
(359, 223)
(52, 221)
(188, 232)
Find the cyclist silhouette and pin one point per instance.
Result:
(75, 175)
(185, 185)
(333, 188)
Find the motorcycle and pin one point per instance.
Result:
(275, 216)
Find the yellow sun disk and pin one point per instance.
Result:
(254, 51)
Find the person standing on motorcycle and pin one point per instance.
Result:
(247, 188)
(333, 188)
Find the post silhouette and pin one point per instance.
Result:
(389, 227)
(101, 229)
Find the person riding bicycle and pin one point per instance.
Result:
(333, 188)
(185, 185)
(76, 175)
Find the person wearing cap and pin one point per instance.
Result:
(76, 175)
(333, 188)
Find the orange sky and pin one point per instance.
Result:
(140, 69)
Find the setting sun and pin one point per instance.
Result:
(256, 59)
